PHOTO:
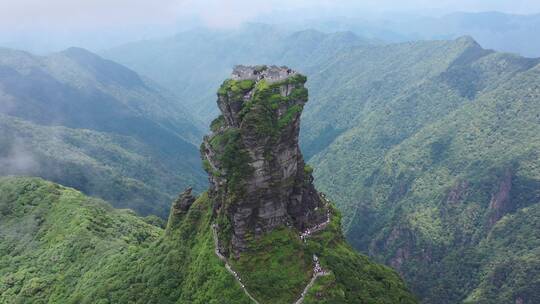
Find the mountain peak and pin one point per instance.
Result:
(468, 40)
(256, 170)
(80, 54)
(103, 70)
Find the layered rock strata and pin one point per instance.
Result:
(258, 178)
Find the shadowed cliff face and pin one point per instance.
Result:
(257, 173)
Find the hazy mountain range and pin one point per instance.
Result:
(429, 148)
(493, 30)
(86, 122)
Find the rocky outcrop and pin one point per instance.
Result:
(183, 202)
(500, 203)
(180, 208)
(457, 193)
(257, 174)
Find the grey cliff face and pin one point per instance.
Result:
(257, 174)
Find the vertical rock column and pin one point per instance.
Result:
(258, 178)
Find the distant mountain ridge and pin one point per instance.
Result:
(111, 107)
(86, 90)
(500, 31)
(193, 63)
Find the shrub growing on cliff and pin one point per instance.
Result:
(217, 123)
(233, 158)
(288, 117)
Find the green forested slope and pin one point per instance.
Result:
(428, 165)
(50, 236)
(120, 169)
(386, 95)
(513, 248)
(59, 246)
(388, 92)
(93, 124)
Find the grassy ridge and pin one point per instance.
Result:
(51, 236)
(60, 246)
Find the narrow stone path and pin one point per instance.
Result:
(228, 267)
(317, 272)
(309, 231)
(317, 269)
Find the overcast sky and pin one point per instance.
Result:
(94, 14)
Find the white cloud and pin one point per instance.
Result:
(110, 13)
(18, 160)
